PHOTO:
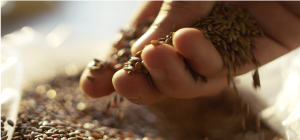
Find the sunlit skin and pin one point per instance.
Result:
(279, 20)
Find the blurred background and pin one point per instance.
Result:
(47, 35)
(102, 17)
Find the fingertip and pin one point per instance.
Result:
(98, 85)
(199, 52)
(125, 84)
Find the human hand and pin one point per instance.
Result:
(279, 20)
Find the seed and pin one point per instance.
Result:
(138, 67)
(155, 42)
(236, 26)
(4, 133)
(26, 136)
(217, 32)
(91, 79)
(210, 27)
(217, 26)
(49, 133)
(169, 41)
(161, 39)
(4, 138)
(3, 118)
(2, 124)
(15, 138)
(243, 28)
(256, 81)
(96, 136)
(56, 131)
(118, 66)
(45, 127)
(55, 135)
(11, 123)
(135, 59)
(138, 54)
(234, 46)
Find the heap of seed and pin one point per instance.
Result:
(229, 28)
(59, 110)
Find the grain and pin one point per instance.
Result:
(91, 79)
(11, 123)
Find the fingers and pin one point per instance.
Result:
(136, 88)
(171, 76)
(179, 13)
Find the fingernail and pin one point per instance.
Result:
(91, 79)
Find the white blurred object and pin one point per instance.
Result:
(278, 99)
(11, 77)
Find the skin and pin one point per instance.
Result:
(280, 22)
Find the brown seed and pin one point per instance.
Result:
(217, 26)
(49, 133)
(91, 79)
(138, 67)
(129, 68)
(243, 28)
(26, 136)
(235, 46)
(155, 42)
(118, 66)
(11, 123)
(224, 44)
(97, 136)
(169, 41)
(256, 81)
(2, 124)
(236, 26)
(138, 54)
(161, 39)
(3, 118)
(210, 27)
(4, 138)
(135, 59)
(55, 135)
(4, 133)
(15, 138)
(229, 36)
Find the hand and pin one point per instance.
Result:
(279, 20)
